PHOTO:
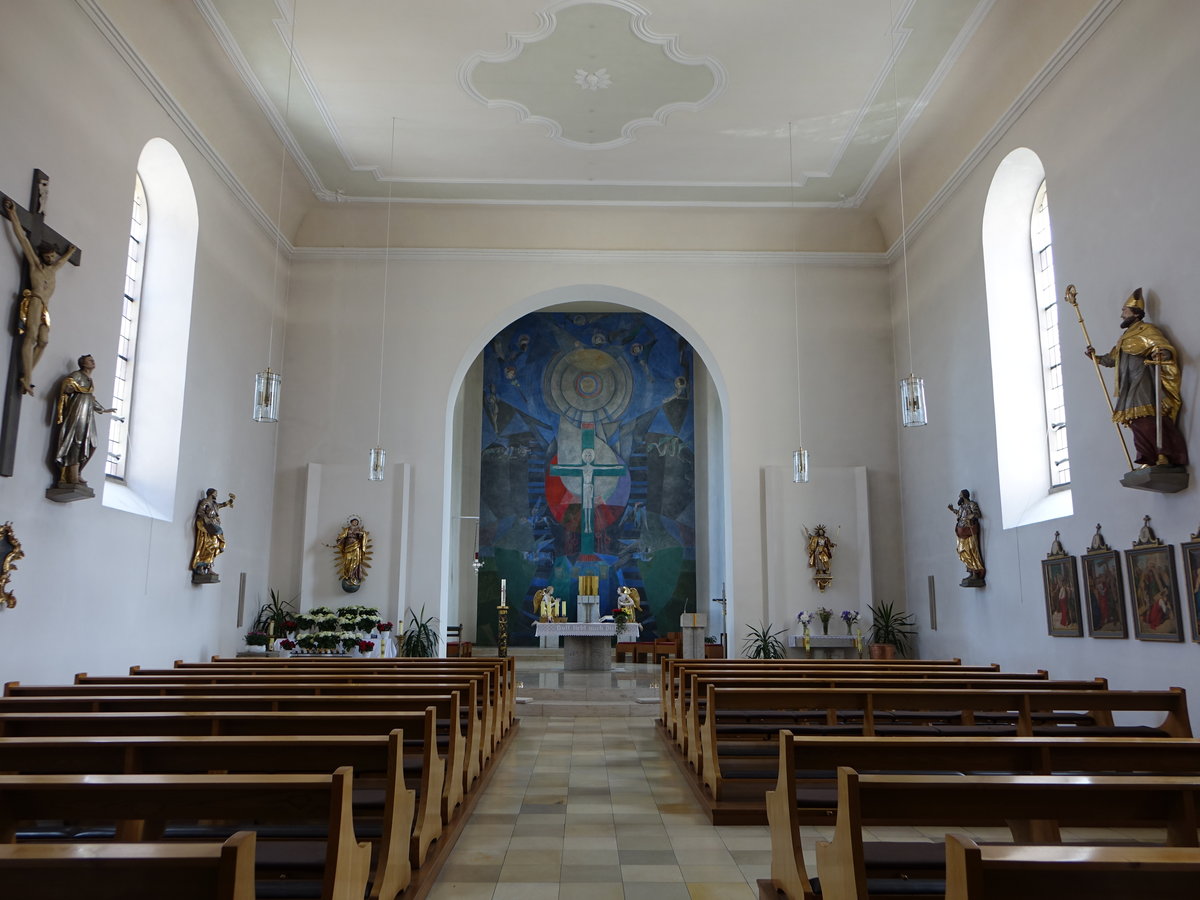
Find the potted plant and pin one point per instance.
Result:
(713, 648)
(257, 638)
(763, 643)
(891, 628)
(420, 638)
(276, 617)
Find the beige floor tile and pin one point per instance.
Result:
(724, 874)
(738, 890)
(594, 891)
(461, 890)
(651, 873)
(516, 890)
(542, 856)
(529, 873)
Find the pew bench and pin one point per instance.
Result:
(130, 871)
(745, 750)
(297, 725)
(153, 806)
(1000, 872)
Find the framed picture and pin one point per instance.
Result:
(1191, 587)
(1155, 594)
(1104, 590)
(1060, 578)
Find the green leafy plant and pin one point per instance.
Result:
(889, 626)
(711, 639)
(763, 643)
(420, 638)
(277, 616)
(256, 638)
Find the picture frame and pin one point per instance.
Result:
(1104, 595)
(1060, 583)
(1191, 586)
(1154, 590)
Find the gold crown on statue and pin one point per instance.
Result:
(1135, 301)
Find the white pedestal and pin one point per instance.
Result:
(587, 608)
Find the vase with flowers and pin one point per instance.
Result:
(621, 618)
(824, 613)
(805, 618)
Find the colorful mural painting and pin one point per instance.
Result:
(587, 467)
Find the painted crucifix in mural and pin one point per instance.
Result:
(584, 475)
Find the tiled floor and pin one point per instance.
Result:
(593, 808)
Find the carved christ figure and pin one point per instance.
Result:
(34, 317)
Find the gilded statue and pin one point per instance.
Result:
(820, 555)
(34, 314)
(352, 554)
(545, 604)
(210, 537)
(630, 600)
(966, 533)
(1147, 397)
(10, 552)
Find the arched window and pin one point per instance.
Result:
(1047, 304)
(118, 432)
(1022, 328)
(155, 333)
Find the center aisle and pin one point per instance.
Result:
(591, 808)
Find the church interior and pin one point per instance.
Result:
(595, 270)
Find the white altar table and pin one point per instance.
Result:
(587, 645)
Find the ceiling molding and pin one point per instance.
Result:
(935, 82)
(548, 24)
(158, 90)
(612, 257)
(1040, 82)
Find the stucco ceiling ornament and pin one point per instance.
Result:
(657, 78)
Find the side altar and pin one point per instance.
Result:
(587, 646)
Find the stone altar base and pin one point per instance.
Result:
(591, 652)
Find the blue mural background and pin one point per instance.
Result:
(587, 467)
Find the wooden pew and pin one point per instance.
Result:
(447, 735)
(697, 683)
(953, 711)
(479, 747)
(505, 666)
(488, 697)
(806, 791)
(130, 871)
(140, 804)
(671, 684)
(299, 725)
(1034, 807)
(1000, 872)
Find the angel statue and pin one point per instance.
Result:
(545, 604)
(629, 600)
(352, 554)
(820, 555)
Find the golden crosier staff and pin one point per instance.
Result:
(1072, 297)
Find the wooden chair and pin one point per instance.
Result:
(455, 645)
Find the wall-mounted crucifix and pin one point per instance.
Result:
(45, 252)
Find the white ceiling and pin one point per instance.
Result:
(663, 102)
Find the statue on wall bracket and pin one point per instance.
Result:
(1146, 399)
(352, 554)
(820, 556)
(209, 537)
(10, 552)
(966, 533)
(75, 442)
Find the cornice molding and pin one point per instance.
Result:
(1065, 53)
(175, 112)
(610, 257)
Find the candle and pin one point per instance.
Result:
(503, 592)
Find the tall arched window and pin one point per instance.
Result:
(1047, 305)
(118, 432)
(155, 328)
(1022, 307)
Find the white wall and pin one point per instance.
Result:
(739, 317)
(100, 589)
(1117, 131)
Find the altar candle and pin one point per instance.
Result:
(562, 608)
(503, 591)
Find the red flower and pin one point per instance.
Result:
(366, 646)
(383, 626)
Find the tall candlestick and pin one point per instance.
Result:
(504, 592)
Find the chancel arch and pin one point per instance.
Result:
(600, 382)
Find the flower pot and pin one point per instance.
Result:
(883, 651)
